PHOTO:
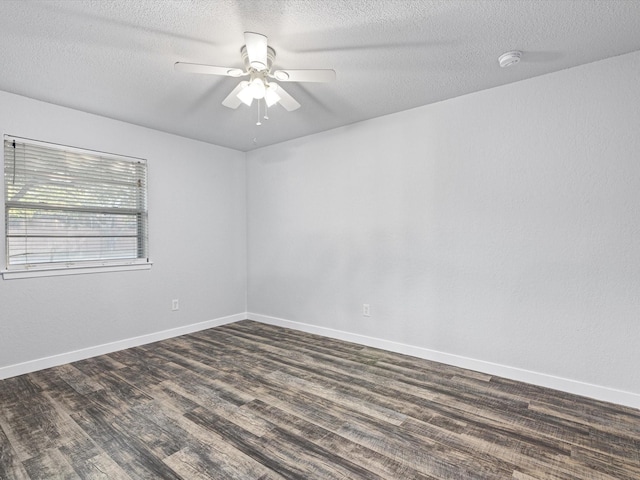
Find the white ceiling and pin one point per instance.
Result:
(115, 57)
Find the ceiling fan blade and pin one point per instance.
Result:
(287, 101)
(305, 75)
(256, 50)
(208, 69)
(232, 100)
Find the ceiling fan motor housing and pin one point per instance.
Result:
(271, 56)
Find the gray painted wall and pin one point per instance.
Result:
(197, 218)
(501, 226)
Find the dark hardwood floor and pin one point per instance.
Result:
(252, 401)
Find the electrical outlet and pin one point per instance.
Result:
(366, 312)
(175, 305)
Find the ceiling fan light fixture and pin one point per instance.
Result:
(245, 95)
(271, 97)
(258, 88)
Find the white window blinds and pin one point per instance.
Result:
(66, 207)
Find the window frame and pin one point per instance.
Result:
(73, 267)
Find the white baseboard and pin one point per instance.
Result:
(61, 359)
(598, 392)
(558, 383)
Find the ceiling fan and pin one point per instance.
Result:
(258, 60)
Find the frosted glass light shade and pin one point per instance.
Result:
(271, 97)
(246, 95)
(257, 88)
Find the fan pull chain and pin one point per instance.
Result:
(266, 111)
(258, 122)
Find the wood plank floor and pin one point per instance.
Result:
(252, 401)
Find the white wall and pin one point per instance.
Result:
(502, 226)
(197, 218)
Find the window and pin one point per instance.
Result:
(71, 209)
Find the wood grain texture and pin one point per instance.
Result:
(253, 401)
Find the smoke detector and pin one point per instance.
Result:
(509, 59)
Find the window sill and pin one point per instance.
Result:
(54, 272)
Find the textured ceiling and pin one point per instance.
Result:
(115, 58)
